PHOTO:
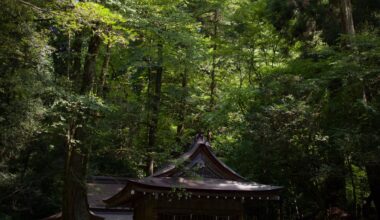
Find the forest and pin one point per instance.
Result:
(286, 91)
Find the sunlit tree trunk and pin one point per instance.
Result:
(346, 16)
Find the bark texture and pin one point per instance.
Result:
(183, 107)
(154, 104)
(104, 72)
(213, 65)
(347, 18)
(90, 64)
(76, 57)
(373, 171)
(75, 205)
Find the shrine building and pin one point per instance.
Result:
(197, 186)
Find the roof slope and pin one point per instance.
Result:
(199, 161)
(197, 171)
(100, 187)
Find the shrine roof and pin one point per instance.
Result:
(100, 187)
(167, 186)
(197, 171)
(195, 183)
(200, 153)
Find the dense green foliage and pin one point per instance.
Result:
(286, 93)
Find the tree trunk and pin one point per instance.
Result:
(183, 107)
(68, 70)
(104, 71)
(213, 67)
(90, 64)
(374, 184)
(346, 16)
(352, 179)
(75, 205)
(76, 56)
(155, 99)
(335, 183)
(251, 65)
(335, 186)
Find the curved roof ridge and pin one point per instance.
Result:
(199, 141)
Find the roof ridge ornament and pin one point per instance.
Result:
(201, 139)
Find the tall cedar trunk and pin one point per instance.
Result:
(155, 97)
(90, 64)
(335, 183)
(183, 107)
(213, 67)
(372, 167)
(346, 16)
(104, 71)
(75, 204)
(374, 184)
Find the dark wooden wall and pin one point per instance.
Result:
(150, 208)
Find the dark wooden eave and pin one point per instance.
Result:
(137, 188)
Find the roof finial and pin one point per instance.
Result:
(199, 138)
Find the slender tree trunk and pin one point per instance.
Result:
(213, 67)
(239, 70)
(372, 167)
(155, 109)
(104, 71)
(90, 64)
(183, 107)
(335, 183)
(374, 184)
(76, 56)
(351, 173)
(68, 70)
(150, 94)
(251, 66)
